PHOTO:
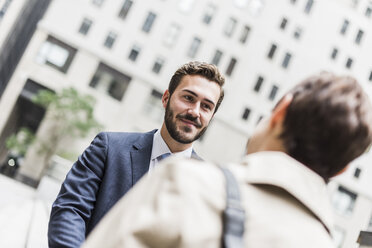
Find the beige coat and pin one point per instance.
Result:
(180, 205)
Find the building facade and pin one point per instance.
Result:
(124, 52)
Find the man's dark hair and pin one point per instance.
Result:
(328, 123)
(208, 71)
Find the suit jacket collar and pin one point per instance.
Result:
(141, 155)
(280, 170)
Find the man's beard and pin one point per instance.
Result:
(172, 127)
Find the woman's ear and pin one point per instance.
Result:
(342, 171)
(280, 111)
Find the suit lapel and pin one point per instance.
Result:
(141, 155)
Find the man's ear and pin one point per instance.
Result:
(279, 113)
(165, 98)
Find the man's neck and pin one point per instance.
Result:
(172, 144)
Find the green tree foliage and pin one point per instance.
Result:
(69, 115)
(70, 112)
(20, 142)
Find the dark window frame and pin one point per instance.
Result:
(246, 114)
(85, 26)
(273, 92)
(71, 50)
(110, 40)
(149, 22)
(244, 34)
(194, 47)
(158, 65)
(349, 63)
(259, 82)
(283, 23)
(217, 57)
(230, 68)
(124, 11)
(272, 51)
(134, 53)
(119, 83)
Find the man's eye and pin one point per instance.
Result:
(189, 98)
(207, 106)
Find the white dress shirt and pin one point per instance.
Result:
(159, 147)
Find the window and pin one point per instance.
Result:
(194, 47)
(246, 113)
(230, 27)
(134, 53)
(368, 11)
(171, 35)
(85, 26)
(56, 54)
(359, 36)
(344, 27)
(343, 201)
(217, 57)
(153, 107)
(244, 34)
(272, 50)
(309, 6)
(125, 9)
(5, 5)
(357, 172)
(273, 92)
(97, 2)
(297, 33)
(258, 84)
(334, 53)
(158, 65)
(349, 63)
(185, 6)
(209, 13)
(283, 23)
(110, 81)
(231, 66)
(110, 40)
(286, 60)
(148, 22)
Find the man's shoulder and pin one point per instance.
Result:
(124, 137)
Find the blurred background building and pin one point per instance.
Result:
(124, 52)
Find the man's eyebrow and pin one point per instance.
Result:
(193, 93)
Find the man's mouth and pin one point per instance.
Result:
(190, 122)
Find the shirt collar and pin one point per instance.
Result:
(159, 147)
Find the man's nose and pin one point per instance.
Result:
(194, 110)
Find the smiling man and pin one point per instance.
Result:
(114, 162)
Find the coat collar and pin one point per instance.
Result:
(280, 170)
